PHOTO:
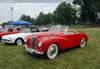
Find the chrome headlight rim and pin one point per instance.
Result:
(39, 43)
(10, 38)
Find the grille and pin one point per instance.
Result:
(33, 42)
(0, 38)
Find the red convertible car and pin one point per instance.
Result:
(50, 43)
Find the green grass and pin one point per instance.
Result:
(15, 57)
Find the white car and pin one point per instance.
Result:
(19, 38)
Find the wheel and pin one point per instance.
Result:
(19, 42)
(82, 43)
(52, 51)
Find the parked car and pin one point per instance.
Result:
(51, 42)
(44, 29)
(7, 31)
(19, 38)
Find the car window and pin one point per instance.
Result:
(34, 30)
(61, 28)
(25, 30)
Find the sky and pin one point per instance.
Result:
(31, 9)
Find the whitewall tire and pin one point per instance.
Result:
(19, 42)
(52, 51)
(82, 43)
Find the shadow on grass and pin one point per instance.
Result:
(36, 56)
(69, 49)
(43, 57)
(9, 44)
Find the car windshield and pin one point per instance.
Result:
(60, 28)
(29, 30)
(25, 30)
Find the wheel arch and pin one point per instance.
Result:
(85, 36)
(19, 38)
(51, 44)
(46, 52)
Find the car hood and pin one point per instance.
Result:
(43, 34)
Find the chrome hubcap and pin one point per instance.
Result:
(52, 51)
(19, 42)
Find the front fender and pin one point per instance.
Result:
(46, 42)
(24, 40)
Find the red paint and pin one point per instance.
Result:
(28, 43)
(64, 41)
(6, 33)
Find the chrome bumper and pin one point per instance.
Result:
(6, 41)
(30, 50)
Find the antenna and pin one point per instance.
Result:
(12, 8)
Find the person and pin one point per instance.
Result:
(10, 30)
(18, 29)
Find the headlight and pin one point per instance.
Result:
(39, 43)
(9, 38)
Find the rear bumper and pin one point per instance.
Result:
(30, 50)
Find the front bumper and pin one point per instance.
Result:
(6, 41)
(30, 50)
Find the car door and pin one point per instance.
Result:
(71, 40)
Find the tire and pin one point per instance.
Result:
(19, 42)
(82, 43)
(52, 51)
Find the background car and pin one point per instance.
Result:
(19, 38)
(50, 43)
(8, 31)
(43, 29)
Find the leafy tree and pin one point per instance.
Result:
(44, 19)
(87, 12)
(27, 18)
(96, 4)
(6, 23)
(48, 18)
(64, 14)
(39, 19)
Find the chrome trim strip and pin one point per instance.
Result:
(32, 50)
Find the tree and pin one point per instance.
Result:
(64, 14)
(44, 19)
(39, 19)
(27, 18)
(6, 23)
(87, 12)
(96, 4)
